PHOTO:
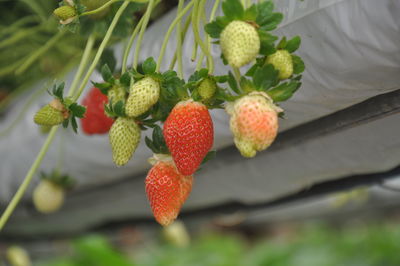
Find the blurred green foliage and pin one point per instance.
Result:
(374, 245)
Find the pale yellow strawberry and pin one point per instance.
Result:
(240, 43)
(51, 114)
(254, 123)
(124, 139)
(48, 197)
(142, 96)
(282, 61)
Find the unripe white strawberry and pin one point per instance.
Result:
(254, 122)
(17, 256)
(124, 139)
(282, 61)
(240, 43)
(48, 197)
(142, 96)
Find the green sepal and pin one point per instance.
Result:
(215, 28)
(233, 9)
(265, 11)
(293, 44)
(246, 85)
(125, 80)
(63, 180)
(284, 91)
(103, 87)
(233, 83)
(108, 58)
(115, 109)
(107, 74)
(267, 42)
(265, 77)
(157, 143)
(149, 66)
(209, 156)
(251, 13)
(77, 110)
(58, 91)
(298, 64)
(272, 22)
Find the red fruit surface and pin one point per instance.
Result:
(189, 135)
(167, 190)
(95, 120)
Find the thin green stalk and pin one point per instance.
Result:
(197, 37)
(236, 72)
(22, 188)
(203, 17)
(14, 27)
(101, 49)
(28, 178)
(168, 34)
(19, 36)
(141, 33)
(179, 41)
(83, 63)
(99, 9)
(208, 39)
(184, 31)
(130, 43)
(39, 52)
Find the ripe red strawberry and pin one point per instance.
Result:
(254, 123)
(189, 135)
(95, 120)
(167, 190)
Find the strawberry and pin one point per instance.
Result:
(116, 94)
(51, 114)
(95, 120)
(65, 12)
(48, 196)
(124, 138)
(142, 96)
(282, 61)
(18, 256)
(167, 190)
(207, 88)
(189, 134)
(254, 122)
(240, 43)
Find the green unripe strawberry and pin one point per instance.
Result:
(282, 61)
(142, 96)
(124, 139)
(116, 94)
(65, 12)
(52, 114)
(240, 43)
(207, 88)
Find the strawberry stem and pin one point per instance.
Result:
(168, 34)
(179, 41)
(130, 43)
(142, 30)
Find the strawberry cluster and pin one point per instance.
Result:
(178, 110)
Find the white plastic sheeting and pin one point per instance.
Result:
(352, 52)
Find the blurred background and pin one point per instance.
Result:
(326, 193)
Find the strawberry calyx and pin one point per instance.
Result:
(63, 181)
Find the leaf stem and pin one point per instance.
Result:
(168, 34)
(83, 63)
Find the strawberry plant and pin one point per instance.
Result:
(176, 108)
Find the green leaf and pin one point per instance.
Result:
(233, 9)
(246, 85)
(267, 42)
(265, 10)
(221, 79)
(232, 83)
(282, 43)
(298, 64)
(210, 155)
(214, 29)
(272, 22)
(119, 108)
(125, 80)
(74, 124)
(250, 14)
(108, 58)
(265, 77)
(149, 66)
(106, 73)
(151, 146)
(293, 44)
(284, 91)
(77, 110)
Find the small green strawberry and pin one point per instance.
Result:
(282, 61)
(65, 12)
(142, 96)
(240, 43)
(207, 88)
(51, 114)
(124, 139)
(116, 94)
